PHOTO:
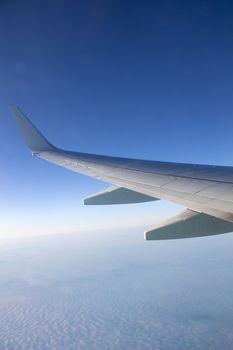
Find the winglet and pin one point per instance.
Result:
(32, 137)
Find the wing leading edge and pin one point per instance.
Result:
(206, 190)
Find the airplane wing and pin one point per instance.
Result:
(206, 190)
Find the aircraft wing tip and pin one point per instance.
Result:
(32, 137)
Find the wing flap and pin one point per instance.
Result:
(189, 224)
(117, 195)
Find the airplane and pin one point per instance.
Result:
(205, 190)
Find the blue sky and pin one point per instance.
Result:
(146, 80)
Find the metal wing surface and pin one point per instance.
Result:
(204, 189)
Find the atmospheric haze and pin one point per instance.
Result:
(145, 80)
(112, 290)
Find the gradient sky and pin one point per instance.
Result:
(150, 79)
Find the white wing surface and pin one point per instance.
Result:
(203, 189)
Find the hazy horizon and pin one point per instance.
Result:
(114, 290)
(146, 80)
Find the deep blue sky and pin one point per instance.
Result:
(150, 79)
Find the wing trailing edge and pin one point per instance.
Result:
(189, 224)
(117, 195)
